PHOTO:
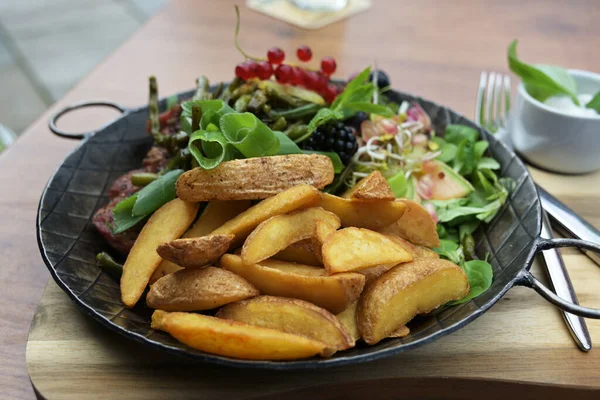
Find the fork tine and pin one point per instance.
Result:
(480, 103)
(498, 94)
(490, 123)
(506, 90)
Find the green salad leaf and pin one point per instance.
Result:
(542, 81)
(480, 275)
(594, 103)
(130, 211)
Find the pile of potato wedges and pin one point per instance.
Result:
(300, 273)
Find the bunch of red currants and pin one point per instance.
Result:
(294, 75)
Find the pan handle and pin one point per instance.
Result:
(531, 281)
(54, 118)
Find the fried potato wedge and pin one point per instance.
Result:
(167, 223)
(304, 282)
(403, 331)
(300, 252)
(406, 290)
(348, 320)
(363, 214)
(278, 232)
(322, 231)
(355, 249)
(295, 198)
(415, 225)
(215, 214)
(195, 252)
(292, 316)
(372, 187)
(198, 289)
(255, 178)
(234, 339)
(371, 274)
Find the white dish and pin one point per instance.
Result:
(554, 139)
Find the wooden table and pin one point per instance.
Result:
(434, 48)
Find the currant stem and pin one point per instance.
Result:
(237, 44)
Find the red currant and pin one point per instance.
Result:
(304, 53)
(322, 82)
(311, 80)
(242, 71)
(283, 73)
(297, 76)
(275, 55)
(328, 65)
(330, 93)
(253, 68)
(264, 70)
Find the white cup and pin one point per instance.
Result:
(552, 139)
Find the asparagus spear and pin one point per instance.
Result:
(218, 90)
(202, 89)
(108, 264)
(196, 117)
(279, 125)
(227, 94)
(259, 99)
(296, 130)
(154, 111)
(241, 104)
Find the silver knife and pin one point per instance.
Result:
(560, 281)
(568, 223)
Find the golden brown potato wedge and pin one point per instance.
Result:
(234, 339)
(167, 223)
(278, 232)
(355, 249)
(425, 252)
(255, 178)
(372, 187)
(415, 225)
(371, 274)
(416, 250)
(296, 198)
(198, 289)
(195, 252)
(304, 282)
(300, 252)
(363, 214)
(348, 320)
(403, 331)
(405, 291)
(215, 214)
(322, 231)
(292, 316)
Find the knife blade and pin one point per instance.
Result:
(568, 223)
(560, 281)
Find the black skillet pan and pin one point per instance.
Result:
(69, 242)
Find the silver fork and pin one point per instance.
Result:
(491, 113)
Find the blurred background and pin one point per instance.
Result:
(47, 46)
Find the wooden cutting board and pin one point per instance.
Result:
(521, 346)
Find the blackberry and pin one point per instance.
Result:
(335, 137)
(383, 80)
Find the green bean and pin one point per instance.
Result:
(279, 95)
(143, 178)
(279, 125)
(259, 99)
(296, 130)
(266, 108)
(307, 110)
(468, 245)
(108, 264)
(246, 88)
(241, 104)
(227, 94)
(202, 89)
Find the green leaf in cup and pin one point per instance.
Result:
(594, 103)
(542, 81)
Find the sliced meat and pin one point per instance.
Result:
(122, 186)
(122, 242)
(155, 159)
